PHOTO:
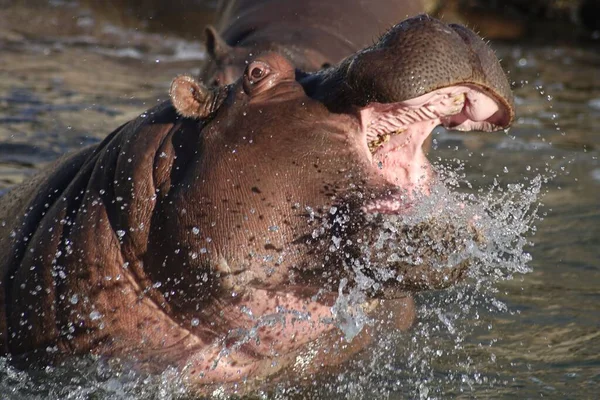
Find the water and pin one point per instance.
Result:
(526, 325)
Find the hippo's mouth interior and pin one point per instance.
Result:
(395, 133)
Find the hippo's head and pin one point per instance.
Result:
(286, 153)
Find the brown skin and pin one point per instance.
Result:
(461, 56)
(188, 223)
(312, 34)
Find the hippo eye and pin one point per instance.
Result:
(257, 73)
(257, 70)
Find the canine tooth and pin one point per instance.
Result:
(459, 99)
(379, 141)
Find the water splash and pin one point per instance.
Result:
(88, 377)
(436, 357)
(433, 358)
(492, 226)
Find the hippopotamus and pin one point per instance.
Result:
(312, 34)
(199, 235)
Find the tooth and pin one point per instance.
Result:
(459, 99)
(380, 140)
(372, 147)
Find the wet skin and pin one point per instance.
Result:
(312, 34)
(195, 223)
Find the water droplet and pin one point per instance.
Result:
(94, 315)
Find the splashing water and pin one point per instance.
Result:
(435, 357)
(88, 377)
(488, 229)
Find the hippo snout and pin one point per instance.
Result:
(420, 74)
(421, 55)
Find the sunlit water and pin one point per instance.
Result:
(525, 324)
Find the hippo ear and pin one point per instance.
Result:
(191, 98)
(216, 46)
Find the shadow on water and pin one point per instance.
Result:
(67, 80)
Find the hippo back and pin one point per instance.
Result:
(335, 28)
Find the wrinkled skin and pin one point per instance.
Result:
(188, 227)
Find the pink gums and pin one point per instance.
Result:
(401, 160)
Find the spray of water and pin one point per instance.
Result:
(486, 231)
(490, 230)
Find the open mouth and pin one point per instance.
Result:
(395, 133)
